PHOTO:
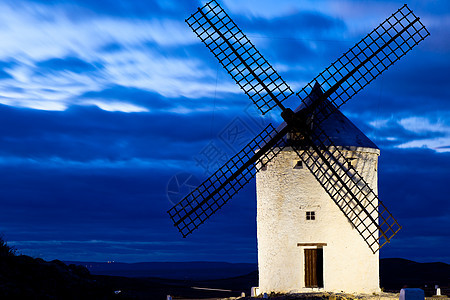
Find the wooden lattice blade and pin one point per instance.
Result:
(335, 173)
(237, 54)
(349, 190)
(214, 192)
(365, 61)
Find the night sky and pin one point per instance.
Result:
(111, 110)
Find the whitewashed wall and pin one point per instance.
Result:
(284, 194)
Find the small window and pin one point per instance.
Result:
(298, 164)
(310, 215)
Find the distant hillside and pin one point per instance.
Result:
(170, 270)
(396, 273)
(157, 288)
(24, 277)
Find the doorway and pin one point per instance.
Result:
(314, 268)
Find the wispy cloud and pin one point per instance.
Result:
(104, 101)
(57, 58)
(437, 134)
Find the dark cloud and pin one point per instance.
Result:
(411, 87)
(5, 65)
(428, 73)
(413, 185)
(288, 39)
(132, 95)
(300, 22)
(75, 175)
(120, 206)
(71, 64)
(4, 75)
(112, 47)
(108, 7)
(415, 180)
(121, 8)
(290, 51)
(85, 134)
(89, 184)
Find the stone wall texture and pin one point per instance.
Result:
(284, 195)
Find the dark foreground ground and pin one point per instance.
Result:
(142, 288)
(23, 277)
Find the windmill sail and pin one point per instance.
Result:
(375, 53)
(335, 173)
(239, 57)
(348, 189)
(214, 192)
(365, 61)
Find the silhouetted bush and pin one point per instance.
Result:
(79, 270)
(6, 250)
(25, 277)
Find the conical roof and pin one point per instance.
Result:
(340, 130)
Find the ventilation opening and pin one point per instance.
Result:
(298, 164)
(352, 161)
(263, 165)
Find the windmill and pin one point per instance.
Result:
(302, 131)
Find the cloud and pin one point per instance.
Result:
(57, 58)
(412, 184)
(49, 46)
(105, 102)
(438, 144)
(428, 132)
(70, 64)
(118, 9)
(423, 125)
(302, 23)
(86, 174)
(94, 137)
(415, 177)
(118, 212)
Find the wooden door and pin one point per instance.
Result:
(314, 267)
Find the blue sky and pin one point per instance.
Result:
(104, 104)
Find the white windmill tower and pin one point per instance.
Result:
(305, 242)
(337, 185)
